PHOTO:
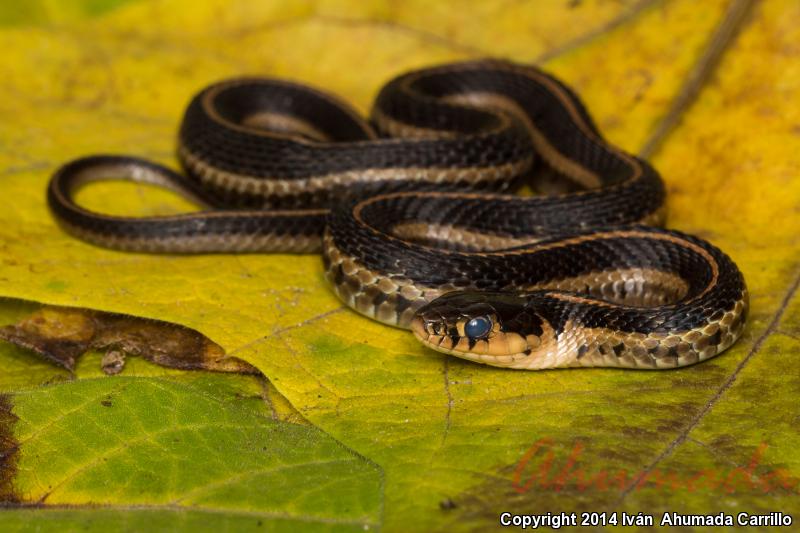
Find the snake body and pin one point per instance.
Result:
(412, 214)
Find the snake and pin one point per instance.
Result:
(478, 206)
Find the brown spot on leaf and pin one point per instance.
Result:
(61, 335)
(447, 504)
(9, 448)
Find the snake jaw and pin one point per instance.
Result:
(540, 352)
(481, 350)
(517, 338)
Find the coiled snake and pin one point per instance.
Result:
(415, 225)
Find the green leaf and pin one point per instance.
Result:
(169, 452)
(137, 518)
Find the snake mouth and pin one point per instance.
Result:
(440, 342)
(418, 329)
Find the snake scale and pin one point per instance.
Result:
(414, 214)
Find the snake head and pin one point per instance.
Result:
(494, 328)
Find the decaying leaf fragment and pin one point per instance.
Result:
(62, 335)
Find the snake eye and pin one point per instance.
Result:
(478, 327)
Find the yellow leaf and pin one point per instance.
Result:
(449, 435)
